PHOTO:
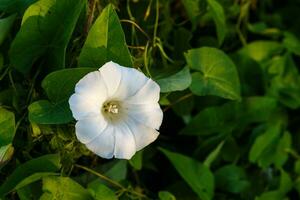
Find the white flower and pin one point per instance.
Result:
(117, 111)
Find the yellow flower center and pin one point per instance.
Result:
(111, 110)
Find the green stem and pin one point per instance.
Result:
(112, 182)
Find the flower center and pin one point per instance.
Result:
(111, 110)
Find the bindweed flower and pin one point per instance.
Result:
(117, 111)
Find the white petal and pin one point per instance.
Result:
(149, 93)
(131, 82)
(111, 74)
(143, 135)
(148, 114)
(103, 145)
(89, 128)
(125, 142)
(82, 106)
(92, 86)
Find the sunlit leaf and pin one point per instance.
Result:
(7, 127)
(105, 42)
(45, 32)
(63, 188)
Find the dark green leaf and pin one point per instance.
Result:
(118, 171)
(232, 178)
(176, 82)
(100, 191)
(45, 112)
(217, 73)
(193, 10)
(105, 42)
(57, 111)
(46, 163)
(231, 115)
(263, 143)
(198, 176)
(5, 26)
(12, 6)
(65, 80)
(137, 160)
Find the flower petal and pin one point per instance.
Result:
(92, 86)
(131, 82)
(125, 142)
(149, 93)
(150, 115)
(111, 74)
(82, 106)
(103, 145)
(143, 135)
(89, 128)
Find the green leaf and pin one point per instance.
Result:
(100, 191)
(137, 160)
(264, 142)
(33, 178)
(13, 6)
(261, 50)
(271, 195)
(45, 112)
(57, 111)
(217, 73)
(5, 26)
(281, 155)
(105, 42)
(165, 195)
(285, 84)
(232, 178)
(6, 153)
(63, 188)
(47, 163)
(42, 37)
(197, 175)
(231, 115)
(176, 82)
(7, 127)
(292, 43)
(217, 12)
(117, 171)
(65, 80)
(193, 10)
(213, 155)
(286, 183)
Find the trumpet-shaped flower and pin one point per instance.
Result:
(117, 111)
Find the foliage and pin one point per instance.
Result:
(230, 91)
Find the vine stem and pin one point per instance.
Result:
(112, 182)
(177, 101)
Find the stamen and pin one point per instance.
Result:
(113, 108)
